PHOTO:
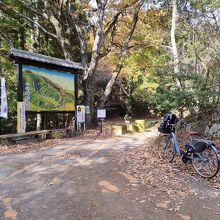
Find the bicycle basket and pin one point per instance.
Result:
(169, 118)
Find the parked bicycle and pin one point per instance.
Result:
(201, 153)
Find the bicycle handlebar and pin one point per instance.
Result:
(181, 121)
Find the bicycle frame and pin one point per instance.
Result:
(177, 151)
(176, 148)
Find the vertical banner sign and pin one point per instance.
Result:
(80, 114)
(80, 117)
(21, 117)
(4, 105)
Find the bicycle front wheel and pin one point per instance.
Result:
(166, 152)
(206, 163)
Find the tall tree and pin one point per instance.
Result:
(122, 56)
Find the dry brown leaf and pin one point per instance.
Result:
(184, 217)
(163, 205)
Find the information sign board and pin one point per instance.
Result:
(46, 90)
(101, 113)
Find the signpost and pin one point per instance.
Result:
(101, 115)
(80, 116)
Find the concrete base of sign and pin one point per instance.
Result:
(126, 128)
(118, 129)
(131, 128)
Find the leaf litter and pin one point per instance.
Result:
(144, 166)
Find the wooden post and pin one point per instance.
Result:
(76, 98)
(19, 93)
(19, 83)
(44, 120)
(38, 121)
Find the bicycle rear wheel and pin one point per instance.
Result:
(206, 163)
(166, 150)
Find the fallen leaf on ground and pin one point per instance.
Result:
(129, 177)
(184, 217)
(108, 186)
(205, 207)
(177, 208)
(163, 205)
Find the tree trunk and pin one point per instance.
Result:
(90, 67)
(173, 43)
(88, 89)
(110, 84)
(176, 63)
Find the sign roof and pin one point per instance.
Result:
(16, 53)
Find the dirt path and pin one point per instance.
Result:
(85, 179)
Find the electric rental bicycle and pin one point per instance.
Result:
(201, 153)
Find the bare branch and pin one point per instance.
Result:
(83, 45)
(114, 20)
(112, 24)
(98, 41)
(110, 44)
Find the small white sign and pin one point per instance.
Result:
(87, 110)
(101, 113)
(80, 113)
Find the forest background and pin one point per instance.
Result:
(140, 56)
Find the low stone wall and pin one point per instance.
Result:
(212, 130)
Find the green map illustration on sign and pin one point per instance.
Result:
(48, 90)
